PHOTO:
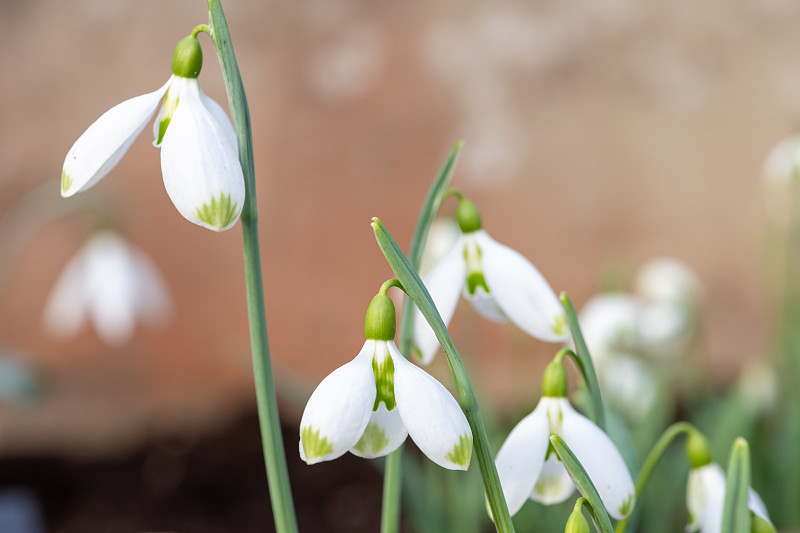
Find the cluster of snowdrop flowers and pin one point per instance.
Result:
(500, 283)
(705, 493)
(529, 468)
(369, 405)
(110, 283)
(625, 332)
(199, 154)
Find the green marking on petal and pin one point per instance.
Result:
(314, 446)
(167, 110)
(221, 213)
(373, 440)
(461, 452)
(627, 506)
(384, 383)
(475, 280)
(559, 325)
(66, 181)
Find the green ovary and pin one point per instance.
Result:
(222, 212)
(314, 445)
(384, 383)
(372, 441)
(66, 182)
(461, 452)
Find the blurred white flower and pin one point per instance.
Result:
(111, 284)
(669, 281)
(199, 155)
(781, 175)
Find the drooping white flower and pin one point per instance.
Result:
(111, 284)
(499, 283)
(529, 468)
(199, 155)
(705, 499)
(781, 175)
(369, 405)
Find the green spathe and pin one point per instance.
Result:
(468, 216)
(187, 59)
(373, 440)
(380, 322)
(314, 445)
(461, 454)
(220, 214)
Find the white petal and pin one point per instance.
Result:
(201, 167)
(221, 117)
(485, 305)
(444, 283)
(521, 291)
(101, 146)
(756, 504)
(431, 415)
(600, 458)
(385, 432)
(65, 310)
(705, 498)
(554, 484)
(521, 458)
(339, 409)
(610, 323)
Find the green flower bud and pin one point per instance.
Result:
(468, 216)
(759, 525)
(187, 60)
(697, 450)
(554, 380)
(381, 322)
(577, 523)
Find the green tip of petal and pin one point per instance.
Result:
(627, 506)
(475, 280)
(461, 454)
(314, 445)
(384, 383)
(372, 441)
(66, 182)
(220, 214)
(559, 325)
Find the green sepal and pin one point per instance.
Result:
(554, 380)
(187, 59)
(581, 480)
(380, 322)
(468, 216)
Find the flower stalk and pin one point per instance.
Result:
(416, 290)
(272, 442)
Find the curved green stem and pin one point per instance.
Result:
(272, 442)
(652, 460)
(392, 480)
(584, 361)
(200, 28)
(466, 395)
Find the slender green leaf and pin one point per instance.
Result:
(736, 514)
(584, 484)
(586, 366)
(415, 289)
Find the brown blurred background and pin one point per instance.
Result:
(597, 135)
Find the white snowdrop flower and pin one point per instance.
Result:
(111, 284)
(781, 175)
(369, 405)
(529, 468)
(667, 280)
(199, 154)
(705, 492)
(611, 324)
(499, 283)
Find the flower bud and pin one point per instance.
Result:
(577, 522)
(187, 60)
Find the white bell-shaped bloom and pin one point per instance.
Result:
(528, 467)
(705, 499)
(111, 284)
(369, 406)
(499, 283)
(199, 154)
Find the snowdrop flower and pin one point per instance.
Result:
(781, 175)
(529, 468)
(111, 284)
(705, 492)
(199, 155)
(369, 405)
(499, 283)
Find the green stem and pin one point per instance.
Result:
(584, 361)
(652, 460)
(392, 480)
(466, 395)
(735, 513)
(271, 439)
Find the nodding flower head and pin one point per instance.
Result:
(369, 405)
(199, 154)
